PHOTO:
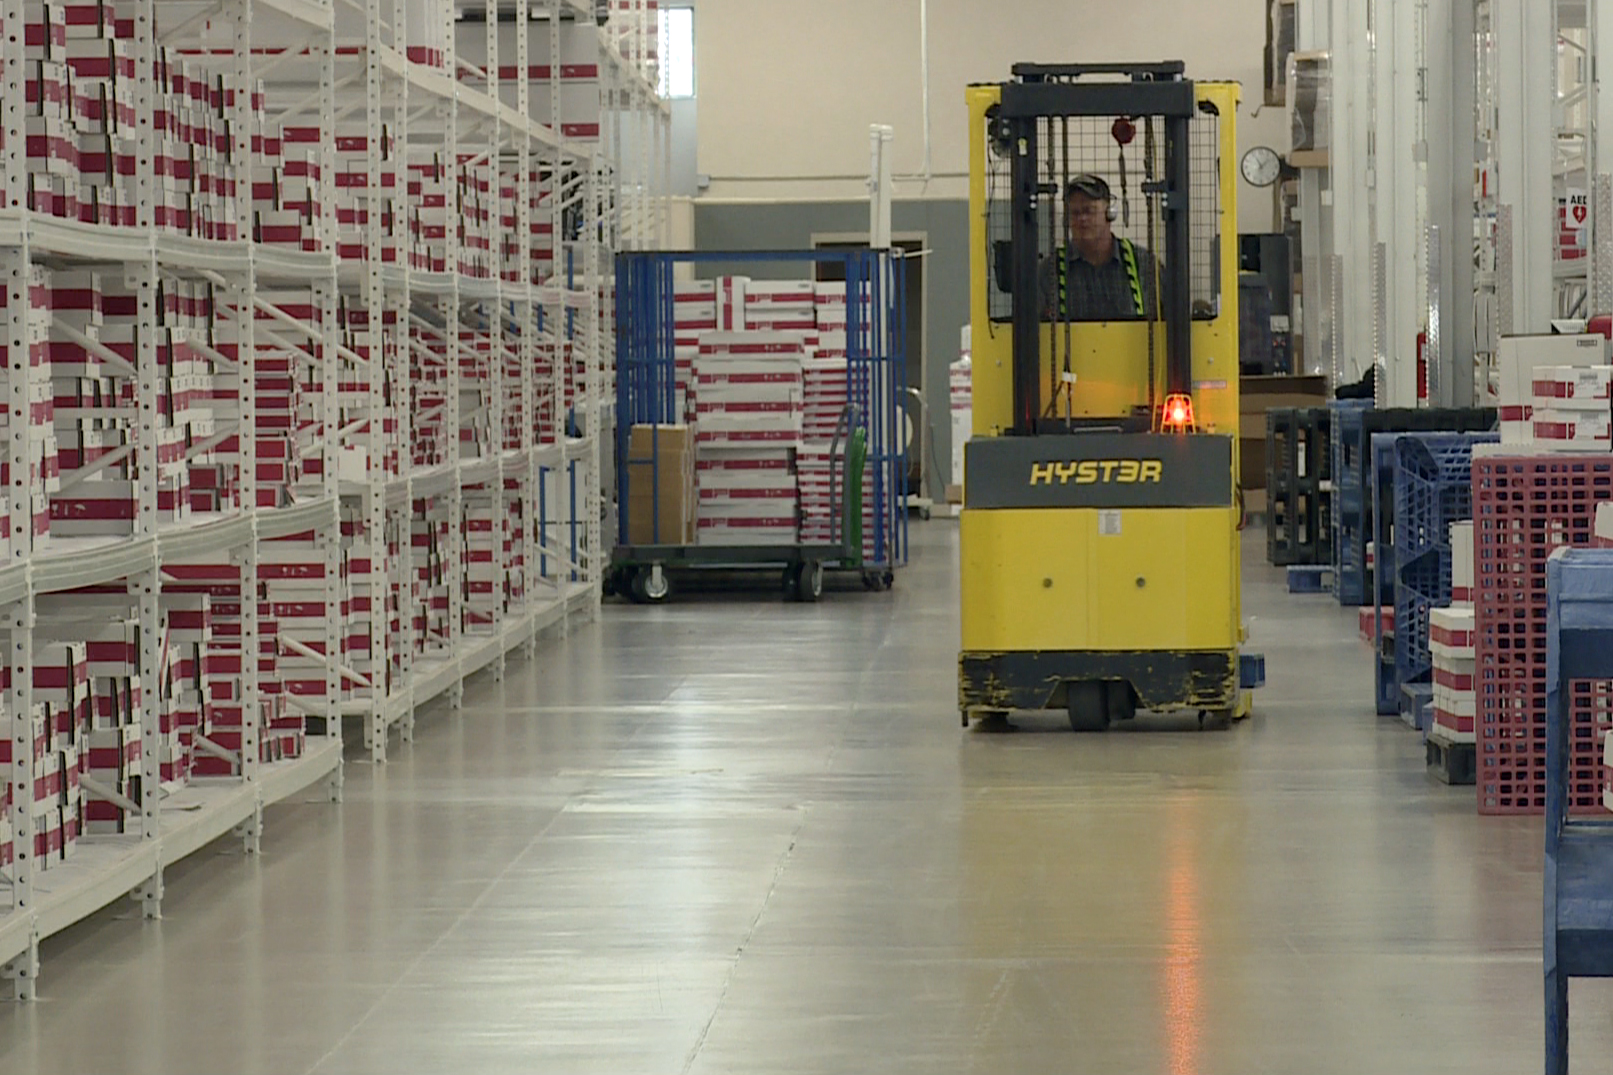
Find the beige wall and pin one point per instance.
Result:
(788, 88)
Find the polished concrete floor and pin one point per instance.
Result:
(736, 836)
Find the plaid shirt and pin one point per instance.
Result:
(1096, 292)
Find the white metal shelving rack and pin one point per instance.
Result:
(502, 474)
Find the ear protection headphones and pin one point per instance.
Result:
(1094, 187)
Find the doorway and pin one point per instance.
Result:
(913, 245)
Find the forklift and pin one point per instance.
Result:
(1101, 513)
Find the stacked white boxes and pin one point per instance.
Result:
(781, 306)
(483, 587)
(694, 313)
(1518, 357)
(960, 389)
(1452, 636)
(746, 401)
(291, 622)
(1572, 408)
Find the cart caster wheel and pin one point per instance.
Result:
(806, 582)
(878, 581)
(615, 582)
(1089, 706)
(924, 513)
(651, 586)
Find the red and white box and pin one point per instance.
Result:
(1602, 537)
(731, 303)
(1452, 634)
(1573, 388)
(1517, 358)
(1462, 564)
(1573, 431)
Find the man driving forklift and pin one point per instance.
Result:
(1095, 276)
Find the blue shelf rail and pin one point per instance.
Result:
(1578, 936)
(1432, 487)
(876, 348)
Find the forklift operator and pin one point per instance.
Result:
(1097, 277)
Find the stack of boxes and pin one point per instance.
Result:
(212, 589)
(429, 537)
(59, 737)
(1452, 636)
(473, 215)
(93, 405)
(960, 387)
(428, 215)
(354, 200)
(288, 195)
(479, 535)
(746, 400)
(291, 621)
(1518, 359)
(82, 133)
(1572, 408)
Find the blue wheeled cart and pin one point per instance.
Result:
(867, 459)
(1578, 936)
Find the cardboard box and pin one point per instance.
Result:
(660, 491)
(1257, 395)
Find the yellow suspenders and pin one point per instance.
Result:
(1134, 277)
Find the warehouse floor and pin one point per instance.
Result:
(738, 836)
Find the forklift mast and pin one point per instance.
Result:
(1043, 97)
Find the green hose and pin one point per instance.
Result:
(852, 524)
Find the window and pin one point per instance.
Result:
(677, 52)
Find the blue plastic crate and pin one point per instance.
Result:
(1433, 487)
(1432, 490)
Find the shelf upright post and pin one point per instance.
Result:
(145, 584)
(240, 294)
(373, 499)
(398, 364)
(453, 329)
(526, 351)
(497, 335)
(329, 421)
(23, 971)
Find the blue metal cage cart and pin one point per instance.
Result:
(870, 439)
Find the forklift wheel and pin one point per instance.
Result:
(1216, 719)
(651, 586)
(988, 721)
(1089, 706)
(1119, 702)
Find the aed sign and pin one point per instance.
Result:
(1099, 470)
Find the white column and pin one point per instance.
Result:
(1526, 64)
(1310, 33)
(1600, 18)
(1352, 83)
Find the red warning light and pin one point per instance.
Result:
(1178, 413)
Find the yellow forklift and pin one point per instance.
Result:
(1101, 516)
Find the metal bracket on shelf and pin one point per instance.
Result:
(148, 894)
(23, 971)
